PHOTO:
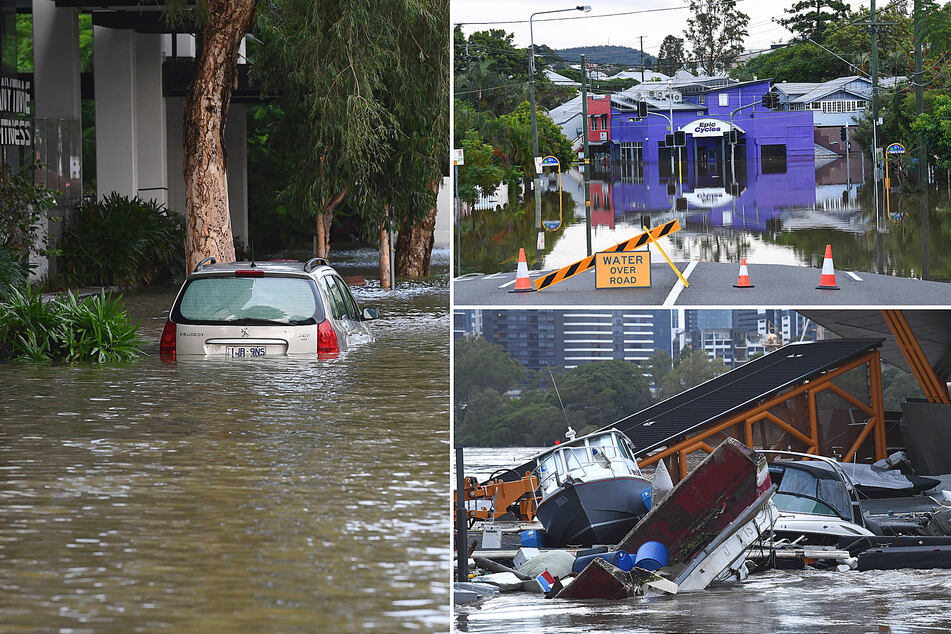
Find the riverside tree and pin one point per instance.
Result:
(809, 18)
(221, 26)
(364, 90)
(715, 32)
(671, 57)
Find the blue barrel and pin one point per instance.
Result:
(617, 558)
(533, 538)
(646, 498)
(652, 556)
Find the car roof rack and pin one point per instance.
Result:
(315, 262)
(201, 265)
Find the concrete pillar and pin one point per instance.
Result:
(236, 145)
(56, 76)
(176, 181)
(56, 91)
(150, 122)
(116, 156)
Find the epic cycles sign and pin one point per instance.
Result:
(707, 127)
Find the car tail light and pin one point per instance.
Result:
(327, 347)
(167, 344)
(249, 273)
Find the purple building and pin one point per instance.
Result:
(766, 138)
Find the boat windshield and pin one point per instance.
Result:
(607, 454)
(821, 492)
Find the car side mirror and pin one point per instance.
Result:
(370, 313)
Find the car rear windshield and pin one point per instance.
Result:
(250, 300)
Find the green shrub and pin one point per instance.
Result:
(95, 329)
(125, 242)
(13, 272)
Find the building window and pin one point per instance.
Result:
(594, 123)
(724, 99)
(604, 122)
(702, 99)
(773, 158)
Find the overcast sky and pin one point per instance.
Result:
(615, 30)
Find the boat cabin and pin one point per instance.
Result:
(815, 489)
(597, 456)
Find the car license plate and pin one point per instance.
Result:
(242, 352)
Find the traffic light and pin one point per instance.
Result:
(843, 133)
(669, 140)
(770, 100)
(642, 109)
(734, 137)
(680, 138)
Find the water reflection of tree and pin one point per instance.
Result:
(491, 239)
(896, 250)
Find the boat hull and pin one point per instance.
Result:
(596, 512)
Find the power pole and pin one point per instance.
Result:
(642, 59)
(874, 28)
(586, 165)
(919, 99)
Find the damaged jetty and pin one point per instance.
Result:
(581, 521)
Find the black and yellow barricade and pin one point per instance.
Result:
(628, 245)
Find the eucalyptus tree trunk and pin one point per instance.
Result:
(325, 220)
(207, 216)
(384, 254)
(414, 245)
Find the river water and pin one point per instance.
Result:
(772, 601)
(786, 215)
(206, 495)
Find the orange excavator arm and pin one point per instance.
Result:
(501, 495)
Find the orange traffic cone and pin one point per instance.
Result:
(744, 279)
(827, 280)
(522, 283)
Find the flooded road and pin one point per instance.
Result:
(772, 601)
(782, 216)
(259, 495)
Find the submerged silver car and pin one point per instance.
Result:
(264, 309)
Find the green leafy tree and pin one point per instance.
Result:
(671, 56)
(936, 130)
(515, 139)
(481, 171)
(602, 392)
(801, 62)
(897, 386)
(715, 33)
(691, 368)
(479, 365)
(809, 18)
(657, 366)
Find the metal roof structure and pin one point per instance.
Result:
(932, 328)
(667, 422)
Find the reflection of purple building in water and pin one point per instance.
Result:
(761, 197)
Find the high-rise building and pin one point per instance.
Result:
(569, 338)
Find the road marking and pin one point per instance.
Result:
(854, 276)
(508, 283)
(679, 286)
(494, 275)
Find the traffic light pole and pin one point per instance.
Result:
(733, 135)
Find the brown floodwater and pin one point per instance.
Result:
(207, 495)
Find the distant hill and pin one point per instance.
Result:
(606, 55)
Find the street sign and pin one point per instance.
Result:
(457, 157)
(895, 148)
(550, 161)
(627, 269)
(538, 164)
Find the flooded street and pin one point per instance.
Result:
(211, 495)
(784, 214)
(772, 601)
